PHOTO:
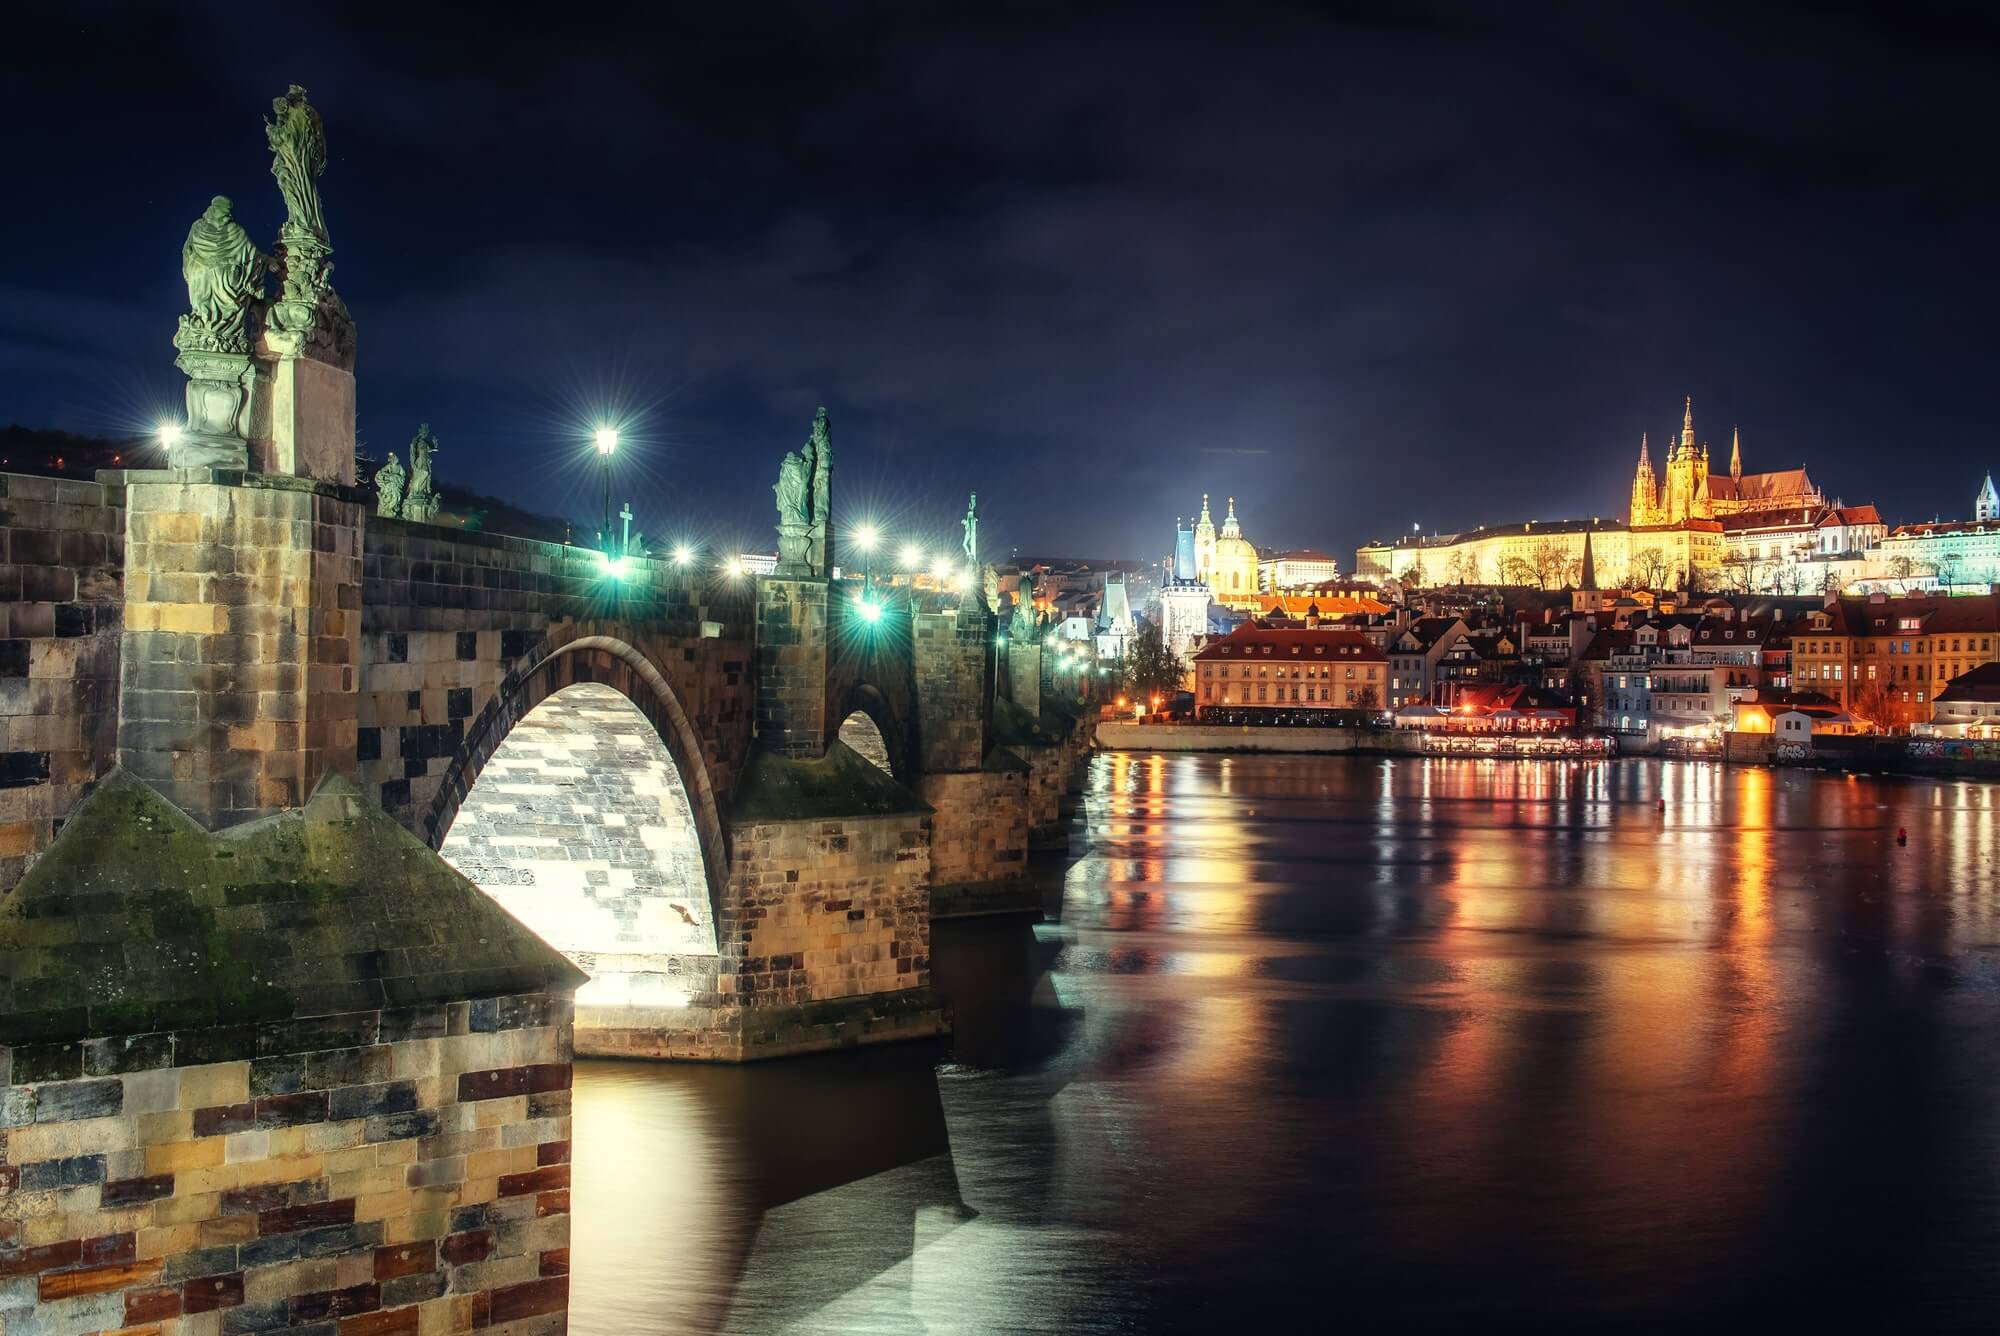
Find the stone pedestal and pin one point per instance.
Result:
(952, 651)
(241, 639)
(791, 666)
(220, 392)
(305, 421)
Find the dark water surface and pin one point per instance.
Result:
(1376, 1045)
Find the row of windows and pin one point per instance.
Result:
(1211, 670)
(1985, 646)
(1299, 695)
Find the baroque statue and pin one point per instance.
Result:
(1023, 628)
(818, 455)
(794, 515)
(971, 526)
(990, 587)
(308, 314)
(389, 481)
(422, 502)
(225, 272)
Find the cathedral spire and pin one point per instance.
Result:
(1230, 528)
(1687, 427)
(1204, 510)
(1589, 580)
(1736, 452)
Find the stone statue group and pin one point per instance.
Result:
(420, 501)
(805, 504)
(230, 324)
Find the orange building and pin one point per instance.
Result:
(1293, 667)
(1889, 657)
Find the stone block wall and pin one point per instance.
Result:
(453, 621)
(391, 1171)
(1048, 779)
(62, 564)
(979, 830)
(1024, 677)
(953, 655)
(824, 931)
(241, 639)
(791, 666)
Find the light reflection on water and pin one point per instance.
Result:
(1415, 1043)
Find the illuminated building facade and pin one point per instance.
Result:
(1290, 667)
(1891, 656)
(1183, 601)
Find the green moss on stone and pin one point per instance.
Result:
(840, 783)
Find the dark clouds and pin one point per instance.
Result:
(1380, 265)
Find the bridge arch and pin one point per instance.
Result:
(866, 720)
(611, 662)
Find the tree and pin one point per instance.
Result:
(1881, 706)
(1951, 564)
(1367, 699)
(1517, 571)
(1151, 667)
(1551, 564)
(1649, 568)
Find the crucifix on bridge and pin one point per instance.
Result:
(625, 513)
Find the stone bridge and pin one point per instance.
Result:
(736, 803)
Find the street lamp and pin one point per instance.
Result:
(865, 538)
(606, 439)
(170, 435)
(683, 555)
(913, 558)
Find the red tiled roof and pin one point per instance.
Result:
(1852, 515)
(1292, 641)
(1982, 684)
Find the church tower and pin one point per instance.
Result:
(1986, 506)
(1686, 495)
(1204, 543)
(1736, 454)
(1645, 491)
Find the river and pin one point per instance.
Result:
(1380, 1045)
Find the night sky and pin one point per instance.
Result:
(1363, 268)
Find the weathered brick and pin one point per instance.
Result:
(137, 1191)
(372, 1101)
(552, 1152)
(364, 1298)
(552, 1203)
(408, 1126)
(555, 1262)
(56, 1285)
(201, 1262)
(212, 1292)
(548, 1178)
(510, 1303)
(314, 1215)
(292, 1110)
(387, 1322)
(503, 1082)
(69, 1100)
(222, 1119)
(155, 1305)
(271, 1197)
(473, 1245)
(413, 1289)
(405, 1259)
(47, 1257)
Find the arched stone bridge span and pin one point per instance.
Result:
(232, 638)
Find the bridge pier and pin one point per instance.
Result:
(242, 635)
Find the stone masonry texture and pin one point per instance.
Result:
(62, 565)
(303, 1076)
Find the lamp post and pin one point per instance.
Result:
(607, 445)
(865, 538)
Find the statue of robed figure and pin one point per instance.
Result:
(971, 526)
(792, 491)
(389, 480)
(224, 272)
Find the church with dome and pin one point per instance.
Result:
(1225, 561)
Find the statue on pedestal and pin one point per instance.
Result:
(1023, 628)
(422, 503)
(224, 272)
(818, 457)
(971, 526)
(308, 317)
(794, 517)
(389, 480)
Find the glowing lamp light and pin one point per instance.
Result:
(964, 581)
(606, 439)
(169, 434)
(870, 610)
(913, 557)
(732, 567)
(683, 555)
(615, 567)
(866, 537)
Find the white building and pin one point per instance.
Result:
(1183, 603)
(1296, 570)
